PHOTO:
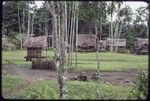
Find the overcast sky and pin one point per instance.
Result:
(132, 4)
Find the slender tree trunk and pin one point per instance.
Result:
(51, 7)
(19, 28)
(97, 56)
(66, 27)
(23, 24)
(111, 30)
(69, 28)
(76, 32)
(46, 29)
(63, 70)
(29, 21)
(119, 33)
(59, 73)
(96, 33)
(117, 28)
(73, 33)
(115, 36)
(59, 25)
(32, 28)
(101, 30)
(147, 30)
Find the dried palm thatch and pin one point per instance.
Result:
(40, 41)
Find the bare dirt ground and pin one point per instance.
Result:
(115, 77)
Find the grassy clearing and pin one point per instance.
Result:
(109, 61)
(77, 90)
(9, 83)
(87, 61)
(17, 57)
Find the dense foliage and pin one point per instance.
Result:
(134, 26)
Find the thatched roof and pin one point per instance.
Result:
(89, 39)
(40, 41)
(116, 42)
(141, 41)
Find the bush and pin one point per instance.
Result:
(11, 42)
(7, 46)
(140, 89)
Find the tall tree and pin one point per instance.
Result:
(19, 26)
(58, 11)
(76, 14)
(73, 32)
(29, 17)
(70, 33)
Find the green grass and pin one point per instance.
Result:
(9, 82)
(17, 57)
(109, 61)
(87, 61)
(77, 90)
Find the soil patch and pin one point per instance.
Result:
(116, 77)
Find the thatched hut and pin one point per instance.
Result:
(86, 42)
(141, 46)
(140, 41)
(34, 46)
(120, 43)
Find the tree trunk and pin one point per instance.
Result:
(19, 28)
(46, 29)
(117, 28)
(59, 25)
(119, 34)
(63, 70)
(32, 24)
(96, 33)
(101, 30)
(23, 24)
(97, 56)
(76, 32)
(66, 27)
(73, 33)
(29, 21)
(147, 30)
(111, 30)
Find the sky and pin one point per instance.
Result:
(134, 5)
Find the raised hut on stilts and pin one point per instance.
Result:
(35, 46)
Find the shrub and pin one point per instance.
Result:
(140, 89)
(6, 45)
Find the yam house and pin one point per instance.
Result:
(141, 46)
(34, 46)
(86, 42)
(117, 43)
